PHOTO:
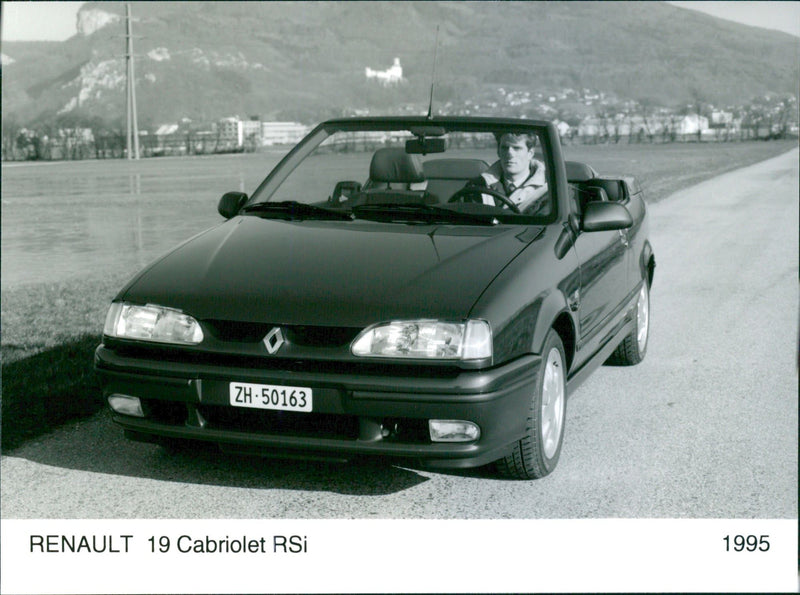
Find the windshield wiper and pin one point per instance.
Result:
(421, 212)
(291, 209)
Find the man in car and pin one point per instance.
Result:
(517, 175)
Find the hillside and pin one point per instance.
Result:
(306, 60)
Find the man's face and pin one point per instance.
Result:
(515, 156)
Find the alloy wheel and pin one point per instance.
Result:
(553, 400)
(643, 318)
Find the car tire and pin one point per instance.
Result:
(634, 347)
(537, 453)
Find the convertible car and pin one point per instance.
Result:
(375, 295)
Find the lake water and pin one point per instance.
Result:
(67, 220)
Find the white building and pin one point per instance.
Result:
(692, 124)
(282, 133)
(590, 126)
(251, 130)
(390, 76)
(167, 129)
(563, 127)
(231, 130)
(76, 135)
(721, 118)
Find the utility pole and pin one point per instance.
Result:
(133, 127)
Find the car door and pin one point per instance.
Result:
(631, 197)
(603, 261)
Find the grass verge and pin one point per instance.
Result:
(45, 390)
(50, 332)
(663, 169)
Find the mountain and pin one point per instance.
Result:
(307, 60)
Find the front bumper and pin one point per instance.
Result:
(354, 413)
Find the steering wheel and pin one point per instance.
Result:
(467, 190)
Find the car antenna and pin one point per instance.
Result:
(433, 74)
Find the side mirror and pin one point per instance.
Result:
(230, 203)
(344, 191)
(605, 216)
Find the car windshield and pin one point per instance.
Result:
(429, 171)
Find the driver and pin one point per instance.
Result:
(516, 175)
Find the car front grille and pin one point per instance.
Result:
(285, 423)
(365, 366)
(302, 336)
(240, 332)
(320, 336)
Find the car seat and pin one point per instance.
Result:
(395, 177)
(447, 176)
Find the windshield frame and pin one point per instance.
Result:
(267, 188)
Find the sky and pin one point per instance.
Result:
(39, 21)
(55, 21)
(782, 16)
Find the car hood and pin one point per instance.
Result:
(329, 273)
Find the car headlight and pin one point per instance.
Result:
(426, 339)
(152, 323)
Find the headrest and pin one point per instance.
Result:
(454, 169)
(395, 165)
(579, 172)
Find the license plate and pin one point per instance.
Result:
(270, 396)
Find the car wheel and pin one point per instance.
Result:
(536, 454)
(634, 347)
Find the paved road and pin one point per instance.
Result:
(705, 427)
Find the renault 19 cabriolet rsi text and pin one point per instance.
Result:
(383, 292)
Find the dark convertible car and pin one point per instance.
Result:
(373, 297)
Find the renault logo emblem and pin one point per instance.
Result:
(273, 340)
